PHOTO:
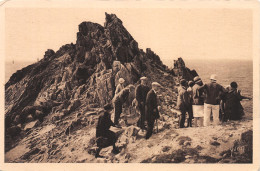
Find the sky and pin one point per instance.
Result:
(193, 34)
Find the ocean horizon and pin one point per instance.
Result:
(240, 71)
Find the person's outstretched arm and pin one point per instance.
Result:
(243, 97)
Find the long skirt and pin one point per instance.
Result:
(198, 110)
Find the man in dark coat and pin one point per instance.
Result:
(183, 102)
(105, 137)
(140, 95)
(151, 109)
(190, 112)
(213, 92)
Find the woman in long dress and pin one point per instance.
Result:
(233, 107)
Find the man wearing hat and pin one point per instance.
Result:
(140, 95)
(120, 86)
(190, 112)
(151, 109)
(105, 137)
(213, 92)
(183, 102)
(197, 101)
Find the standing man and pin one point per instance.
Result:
(212, 100)
(183, 102)
(151, 109)
(190, 112)
(105, 137)
(140, 95)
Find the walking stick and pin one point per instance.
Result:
(157, 126)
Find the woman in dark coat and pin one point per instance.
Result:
(233, 107)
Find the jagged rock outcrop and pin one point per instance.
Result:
(181, 71)
(84, 75)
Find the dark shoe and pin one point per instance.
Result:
(99, 156)
(118, 126)
(115, 151)
(148, 135)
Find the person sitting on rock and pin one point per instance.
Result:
(183, 102)
(105, 137)
(120, 86)
(118, 102)
(233, 108)
(140, 95)
(151, 109)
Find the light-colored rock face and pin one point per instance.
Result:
(31, 125)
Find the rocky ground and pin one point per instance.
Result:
(213, 144)
(52, 106)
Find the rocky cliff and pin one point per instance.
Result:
(52, 106)
(80, 75)
(181, 71)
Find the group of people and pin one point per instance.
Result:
(195, 98)
(201, 100)
(145, 101)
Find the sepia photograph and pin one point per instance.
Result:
(127, 84)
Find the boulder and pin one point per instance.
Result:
(74, 105)
(39, 115)
(17, 119)
(29, 118)
(132, 131)
(128, 73)
(57, 117)
(105, 86)
(73, 126)
(182, 71)
(14, 130)
(31, 125)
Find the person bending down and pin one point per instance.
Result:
(105, 137)
(118, 102)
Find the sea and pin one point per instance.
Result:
(12, 66)
(226, 70)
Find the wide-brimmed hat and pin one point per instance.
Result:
(213, 77)
(156, 84)
(190, 83)
(121, 80)
(143, 78)
(183, 81)
(196, 79)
